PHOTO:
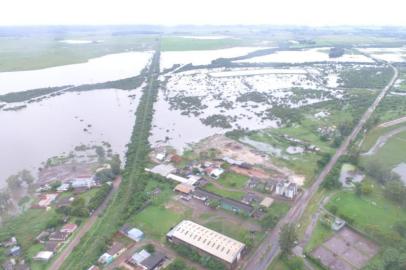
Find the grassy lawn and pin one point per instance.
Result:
(371, 210)
(156, 221)
(227, 228)
(27, 226)
(233, 180)
(392, 153)
(236, 195)
(320, 234)
(189, 44)
(374, 134)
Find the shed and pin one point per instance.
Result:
(184, 188)
(266, 202)
(135, 234)
(43, 256)
(153, 261)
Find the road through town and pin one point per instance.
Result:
(269, 248)
(85, 228)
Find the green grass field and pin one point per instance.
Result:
(236, 195)
(233, 180)
(156, 221)
(189, 44)
(368, 210)
(320, 234)
(26, 53)
(392, 153)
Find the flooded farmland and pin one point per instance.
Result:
(55, 126)
(102, 69)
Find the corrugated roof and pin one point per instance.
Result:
(210, 241)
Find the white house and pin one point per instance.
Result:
(286, 189)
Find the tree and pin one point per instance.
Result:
(115, 164)
(27, 177)
(395, 191)
(150, 248)
(391, 258)
(14, 182)
(295, 263)
(376, 265)
(287, 238)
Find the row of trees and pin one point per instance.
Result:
(131, 195)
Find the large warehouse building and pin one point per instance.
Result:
(208, 241)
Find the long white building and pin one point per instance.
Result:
(211, 242)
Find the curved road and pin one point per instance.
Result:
(269, 248)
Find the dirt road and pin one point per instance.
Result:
(85, 228)
(269, 248)
(393, 122)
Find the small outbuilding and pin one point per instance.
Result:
(266, 202)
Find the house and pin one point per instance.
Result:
(153, 261)
(43, 256)
(266, 202)
(162, 169)
(253, 182)
(14, 251)
(176, 159)
(83, 182)
(58, 236)
(215, 172)
(135, 234)
(207, 241)
(138, 257)
(225, 203)
(46, 199)
(10, 242)
(69, 228)
(42, 237)
(52, 246)
(250, 198)
(286, 189)
(105, 258)
(160, 156)
(184, 189)
(132, 233)
(64, 187)
(113, 252)
(116, 249)
(21, 266)
(338, 224)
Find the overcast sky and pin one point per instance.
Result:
(173, 12)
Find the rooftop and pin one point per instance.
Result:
(154, 260)
(205, 239)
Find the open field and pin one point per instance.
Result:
(233, 180)
(236, 195)
(27, 53)
(171, 43)
(391, 153)
(368, 211)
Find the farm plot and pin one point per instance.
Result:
(346, 250)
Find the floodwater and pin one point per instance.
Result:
(401, 171)
(307, 55)
(102, 69)
(170, 127)
(56, 125)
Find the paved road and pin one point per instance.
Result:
(269, 248)
(393, 122)
(85, 228)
